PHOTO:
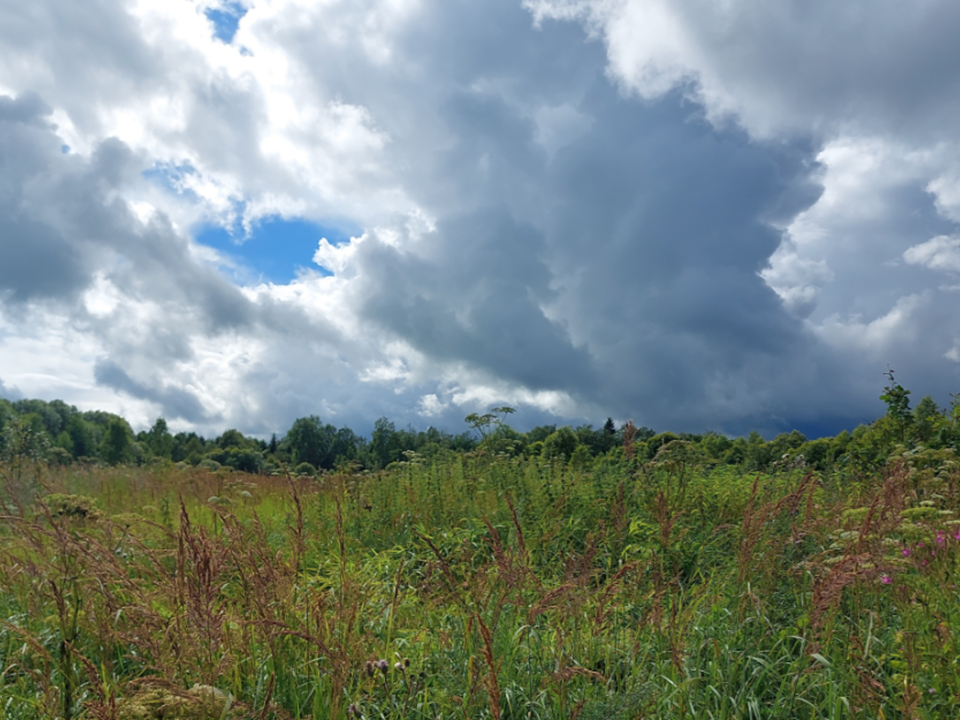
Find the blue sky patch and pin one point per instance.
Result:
(170, 177)
(225, 20)
(276, 250)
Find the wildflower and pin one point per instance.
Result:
(905, 552)
(398, 666)
(369, 668)
(885, 579)
(956, 535)
(940, 539)
(383, 666)
(353, 709)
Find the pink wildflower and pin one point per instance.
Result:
(885, 579)
(905, 552)
(940, 539)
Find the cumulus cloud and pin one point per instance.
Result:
(940, 253)
(795, 66)
(869, 85)
(695, 215)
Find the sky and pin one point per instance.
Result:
(695, 214)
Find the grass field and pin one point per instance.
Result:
(482, 586)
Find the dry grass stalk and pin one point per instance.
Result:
(490, 682)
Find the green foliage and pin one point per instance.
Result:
(307, 441)
(117, 444)
(540, 433)
(187, 447)
(927, 420)
(486, 585)
(898, 407)
(158, 440)
(582, 458)
(548, 574)
(245, 459)
(305, 468)
(559, 445)
(651, 446)
(716, 445)
(84, 437)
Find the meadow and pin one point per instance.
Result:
(482, 585)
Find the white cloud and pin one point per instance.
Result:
(953, 353)
(940, 253)
(529, 233)
(430, 406)
(878, 334)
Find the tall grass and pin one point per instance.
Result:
(481, 587)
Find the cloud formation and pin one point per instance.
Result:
(736, 223)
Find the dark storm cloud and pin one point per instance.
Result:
(659, 233)
(174, 402)
(61, 222)
(35, 259)
(472, 292)
(623, 269)
(565, 236)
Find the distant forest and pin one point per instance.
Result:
(57, 433)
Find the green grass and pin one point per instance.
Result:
(491, 588)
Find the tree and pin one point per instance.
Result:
(785, 444)
(759, 453)
(383, 444)
(898, 406)
(560, 445)
(117, 444)
(53, 416)
(83, 437)
(232, 438)
(187, 447)
(716, 445)
(308, 440)
(540, 433)
(159, 440)
(345, 446)
(926, 419)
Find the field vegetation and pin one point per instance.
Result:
(563, 573)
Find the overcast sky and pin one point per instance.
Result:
(694, 214)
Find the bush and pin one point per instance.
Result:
(305, 468)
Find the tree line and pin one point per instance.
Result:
(58, 433)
